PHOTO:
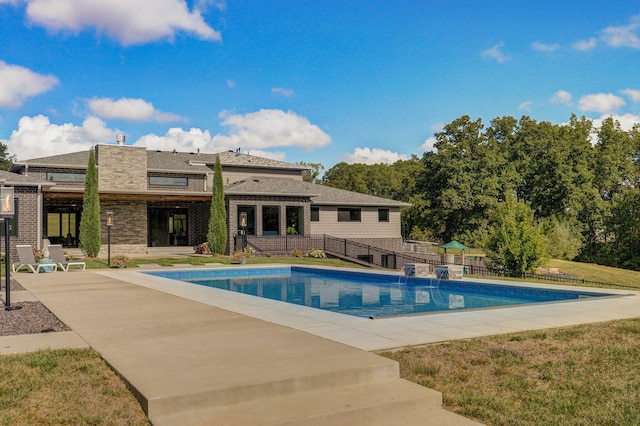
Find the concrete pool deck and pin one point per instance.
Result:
(396, 332)
(199, 355)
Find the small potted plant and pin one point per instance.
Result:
(120, 260)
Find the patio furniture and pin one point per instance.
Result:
(28, 260)
(57, 254)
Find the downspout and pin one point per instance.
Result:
(39, 217)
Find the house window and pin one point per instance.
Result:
(295, 216)
(349, 215)
(383, 215)
(270, 220)
(315, 214)
(168, 181)
(65, 177)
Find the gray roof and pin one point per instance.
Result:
(320, 194)
(167, 161)
(8, 178)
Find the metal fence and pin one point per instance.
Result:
(377, 257)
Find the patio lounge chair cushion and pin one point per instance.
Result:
(28, 260)
(57, 255)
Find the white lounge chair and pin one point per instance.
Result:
(28, 260)
(57, 255)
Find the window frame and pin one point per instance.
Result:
(168, 181)
(383, 219)
(355, 214)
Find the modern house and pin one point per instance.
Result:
(162, 198)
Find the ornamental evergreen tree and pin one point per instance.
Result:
(217, 235)
(90, 222)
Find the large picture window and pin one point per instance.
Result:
(295, 217)
(270, 220)
(349, 215)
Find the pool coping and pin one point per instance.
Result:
(389, 333)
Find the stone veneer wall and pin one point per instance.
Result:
(121, 167)
(129, 224)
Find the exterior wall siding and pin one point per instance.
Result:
(368, 227)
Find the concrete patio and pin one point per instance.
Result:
(191, 363)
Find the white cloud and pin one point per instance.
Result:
(633, 94)
(231, 83)
(627, 121)
(429, 144)
(256, 133)
(542, 47)
(182, 140)
(270, 128)
(287, 93)
(18, 84)
(604, 103)
(561, 97)
(374, 156)
(623, 36)
(129, 109)
(37, 137)
(585, 44)
(129, 22)
(193, 139)
(525, 106)
(495, 52)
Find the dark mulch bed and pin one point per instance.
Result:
(33, 317)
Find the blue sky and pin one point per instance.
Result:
(323, 81)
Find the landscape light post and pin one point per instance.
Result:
(7, 212)
(109, 225)
(243, 225)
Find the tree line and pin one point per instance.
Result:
(524, 190)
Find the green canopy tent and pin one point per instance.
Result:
(455, 245)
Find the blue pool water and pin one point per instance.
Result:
(365, 294)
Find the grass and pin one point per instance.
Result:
(599, 273)
(57, 387)
(584, 375)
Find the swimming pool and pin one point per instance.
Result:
(367, 294)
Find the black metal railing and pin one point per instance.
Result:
(373, 256)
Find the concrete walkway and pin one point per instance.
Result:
(192, 363)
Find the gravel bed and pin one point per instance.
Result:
(33, 317)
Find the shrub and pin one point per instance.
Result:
(316, 253)
(120, 260)
(296, 253)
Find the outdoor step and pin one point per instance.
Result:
(371, 370)
(387, 402)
